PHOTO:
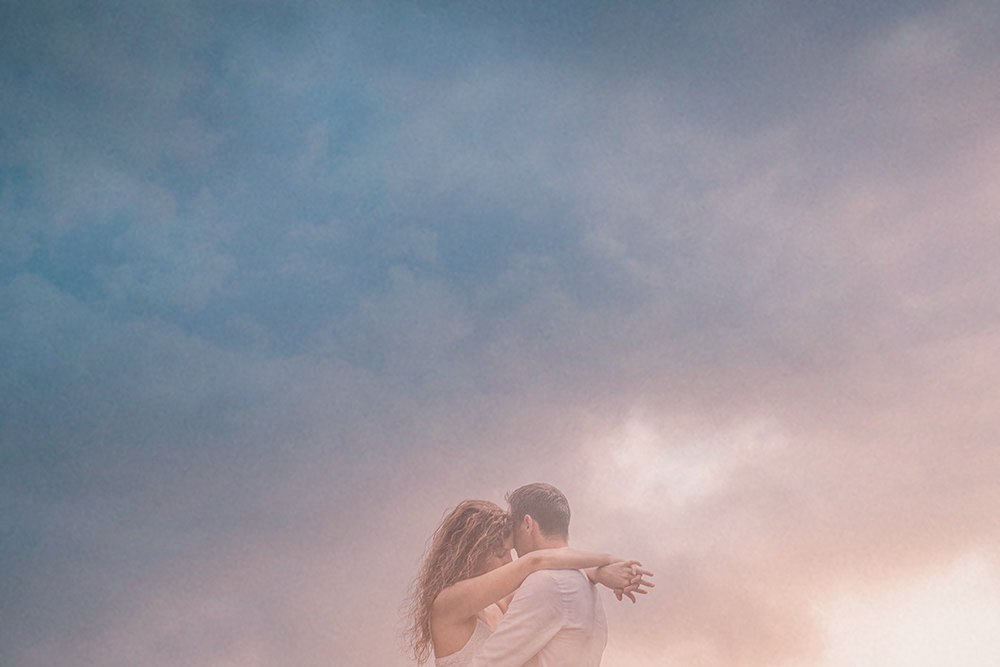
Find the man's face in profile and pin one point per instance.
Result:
(522, 538)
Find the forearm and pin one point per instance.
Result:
(465, 598)
(570, 559)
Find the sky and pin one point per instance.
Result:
(282, 282)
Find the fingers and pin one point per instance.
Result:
(635, 575)
(638, 579)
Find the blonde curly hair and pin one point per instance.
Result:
(465, 539)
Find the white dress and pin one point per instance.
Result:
(463, 657)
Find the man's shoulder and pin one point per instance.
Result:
(556, 579)
(540, 578)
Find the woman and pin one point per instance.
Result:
(468, 578)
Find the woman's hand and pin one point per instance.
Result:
(625, 578)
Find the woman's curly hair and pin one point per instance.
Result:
(468, 535)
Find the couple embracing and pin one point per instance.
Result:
(472, 606)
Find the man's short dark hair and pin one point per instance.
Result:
(545, 504)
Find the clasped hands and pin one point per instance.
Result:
(625, 578)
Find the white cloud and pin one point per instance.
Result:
(675, 467)
(946, 617)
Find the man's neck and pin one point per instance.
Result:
(551, 543)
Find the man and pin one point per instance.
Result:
(556, 618)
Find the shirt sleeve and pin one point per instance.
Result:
(532, 620)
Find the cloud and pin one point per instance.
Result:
(280, 284)
(912, 624)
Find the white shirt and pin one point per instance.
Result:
(556, 619)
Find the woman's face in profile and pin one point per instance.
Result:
(502, 557)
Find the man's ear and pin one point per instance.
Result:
(527, 523)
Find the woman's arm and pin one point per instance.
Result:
(570, 559)
(465, 598)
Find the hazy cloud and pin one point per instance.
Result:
(282, 282)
